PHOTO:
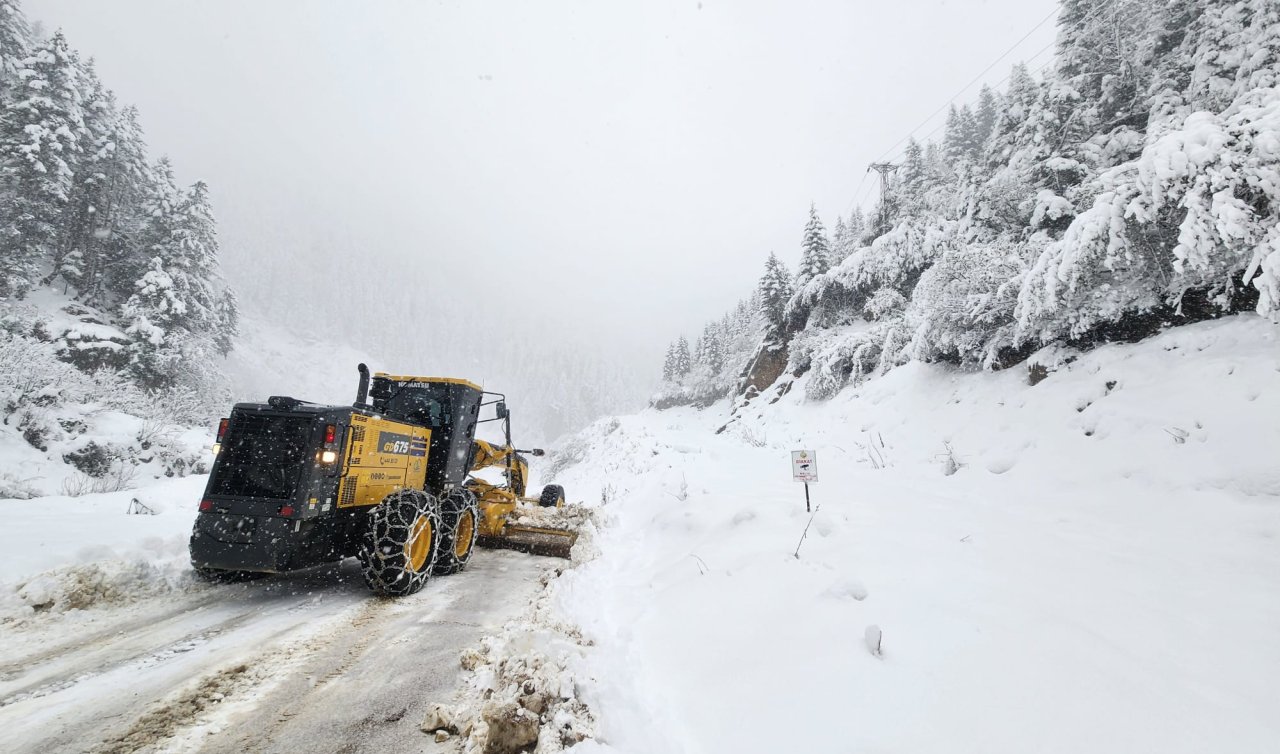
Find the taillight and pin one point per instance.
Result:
(286, 510)
(330, 433)
(222, 428)
(206, 505)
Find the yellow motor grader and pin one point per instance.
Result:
(391, 479)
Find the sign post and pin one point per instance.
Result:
(804, 468)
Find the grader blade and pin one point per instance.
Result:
(534, 540)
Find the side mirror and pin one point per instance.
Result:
(537, 452)
(501, 410)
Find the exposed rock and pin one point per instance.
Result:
(511, 729)
(440, 718)
(767, 364)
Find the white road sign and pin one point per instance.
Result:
(804, 466)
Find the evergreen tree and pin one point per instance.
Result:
(839, 241)
(1019, 99)
(912, 177)
(985, 117)
(713, 352)
(15, 44)
(775, 291)
(154, 314)
(227, 316)
(174, 303)
(113, 262)
(40, 137)
(961, 141)
(669, 365)
(815, 254)
(856, 229)
(85, 204)
(1101, 65)
(682, 363)
(196, 238)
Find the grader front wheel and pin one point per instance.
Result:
(401, 543)
(552, 496)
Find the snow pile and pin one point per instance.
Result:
(81, 553)
(1087, 563)
(568, 517)
(102, 583)
(522, 690)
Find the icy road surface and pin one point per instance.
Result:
(310, 662)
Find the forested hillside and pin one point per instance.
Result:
(86, 212)
(1131, 185)
(111, 298)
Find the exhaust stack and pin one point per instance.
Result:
(362, 392)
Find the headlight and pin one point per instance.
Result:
(328, 456)
(217, 448)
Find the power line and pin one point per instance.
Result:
(996, 85)
(972, 81)
(962, 90)
(1094, 13)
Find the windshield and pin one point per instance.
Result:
(423, 404)
(262, 456)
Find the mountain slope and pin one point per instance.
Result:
(1100, 572)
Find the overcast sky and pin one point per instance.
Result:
(641, 158)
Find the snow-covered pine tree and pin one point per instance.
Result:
(961, 140)
(15, 45)
(1204, 57)
(1102, 65)
(114, 262)
(985, 117)
(669, 365)
(912, 178)
(154, 314)
(856, 228)
(775, 291)
(197, 240)
(40, 137)
(173, 301)
(1021, 96)
(839, 240)
(683, 362)
(86, 204)
(713, 339)
(815, 253)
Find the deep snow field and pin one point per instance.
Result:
(1100, 574)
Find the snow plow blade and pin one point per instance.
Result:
(534, 540)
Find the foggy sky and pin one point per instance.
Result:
(632, 163)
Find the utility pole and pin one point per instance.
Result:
(884, 169)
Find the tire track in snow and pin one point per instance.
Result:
(77, 673)
(87, 697)
(236, 682)
(12, 670)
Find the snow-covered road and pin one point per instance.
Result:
(307, 662)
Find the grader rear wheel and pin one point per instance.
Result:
(401, 543)
(460, 525)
